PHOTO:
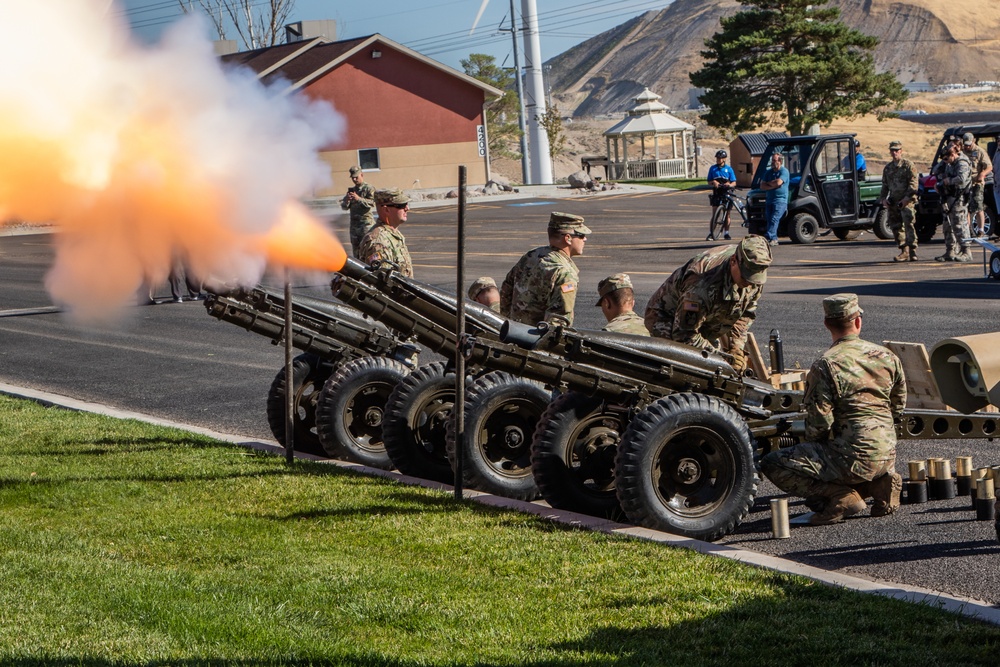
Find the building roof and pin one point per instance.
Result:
(756, 143)
(648, 116)
(300, 63)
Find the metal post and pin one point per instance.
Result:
(458, 412)
(289, 375)
(534, 104)
(525, 168)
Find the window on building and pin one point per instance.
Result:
(368, 159)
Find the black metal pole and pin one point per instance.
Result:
(458, 413)
(289, 375)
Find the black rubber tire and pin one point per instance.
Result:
(415, 427)
(351, 408)
(926, 227)
(881, 225)
(666, 461)
(846, 234)
(803, 228)
(715, 226)
(573, 455)
(309, 374)
(994, 266)
(501, 414)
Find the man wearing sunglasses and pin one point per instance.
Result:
(385, 243)
(542, 285)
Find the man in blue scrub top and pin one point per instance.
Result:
(775, 184)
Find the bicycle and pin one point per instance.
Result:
(730, 202)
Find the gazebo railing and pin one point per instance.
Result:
(649, 169)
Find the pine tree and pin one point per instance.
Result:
(793, 61)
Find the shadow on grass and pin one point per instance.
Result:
(9, 482)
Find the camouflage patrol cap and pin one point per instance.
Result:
(612, 284)
(841, 306)
(968, 139)
(481, 285)
(567, 223)
(754, 256)
(355, 170)
(390, 197)
(895, 145)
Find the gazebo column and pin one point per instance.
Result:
(687, 171)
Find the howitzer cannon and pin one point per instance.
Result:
(704, 479)
(340, 383)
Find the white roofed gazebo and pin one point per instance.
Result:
(662, 146)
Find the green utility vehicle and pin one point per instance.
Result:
(824, 191)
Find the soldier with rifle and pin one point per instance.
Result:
(898, 196)
(954, 188)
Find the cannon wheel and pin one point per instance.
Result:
(573, 455)
(501, 413)
(881, 225)
(351, 408)
(416, 423)
(309, 373)
(685, 465)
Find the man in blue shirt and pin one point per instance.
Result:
(722, 178)
(775, 183)
(859, 162)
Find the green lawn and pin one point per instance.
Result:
(677, 184)
(128, 544)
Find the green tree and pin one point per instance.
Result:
(791, 60)
(502, 113)
(551, 120)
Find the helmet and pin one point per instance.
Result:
(721, 153)
(857, 144)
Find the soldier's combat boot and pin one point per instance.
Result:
(844, 504)
(948, 256)
(913, 254)
(885, 492)
(903, 256)
(964, 256)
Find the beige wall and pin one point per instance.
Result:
(435, 166)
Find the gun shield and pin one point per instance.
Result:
(967, 371)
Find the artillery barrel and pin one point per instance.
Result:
(331, 331)
(412, 308)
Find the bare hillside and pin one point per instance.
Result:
(921, 40)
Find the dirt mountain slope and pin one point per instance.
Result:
(921, 40)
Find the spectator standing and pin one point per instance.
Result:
(954, 193)
(616, 299)
(860, 165)
(360, 201)
(775, 183)
(385, 243)
(542, 286)
(898, 196)
(980, 169)
(722, 178)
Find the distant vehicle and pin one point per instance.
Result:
(929, 215)
(823, 193)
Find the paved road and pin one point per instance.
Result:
(173, 361)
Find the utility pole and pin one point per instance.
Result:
(525, 170)
(534, 105)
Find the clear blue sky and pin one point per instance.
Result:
(436, 28)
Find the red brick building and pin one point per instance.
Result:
(409, 118)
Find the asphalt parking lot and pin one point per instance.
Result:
(173, 361)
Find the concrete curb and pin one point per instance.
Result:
(975, 609)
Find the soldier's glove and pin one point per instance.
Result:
(739, 362)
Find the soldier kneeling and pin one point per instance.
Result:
(853, 394)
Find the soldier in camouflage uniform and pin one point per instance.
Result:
(542, 286)
(616, 299)
(385, 243)
(954, 187)
(360, 201)
(899, 196)
(981, 168)
(711, 301)
(484, 291)
(853, 394)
